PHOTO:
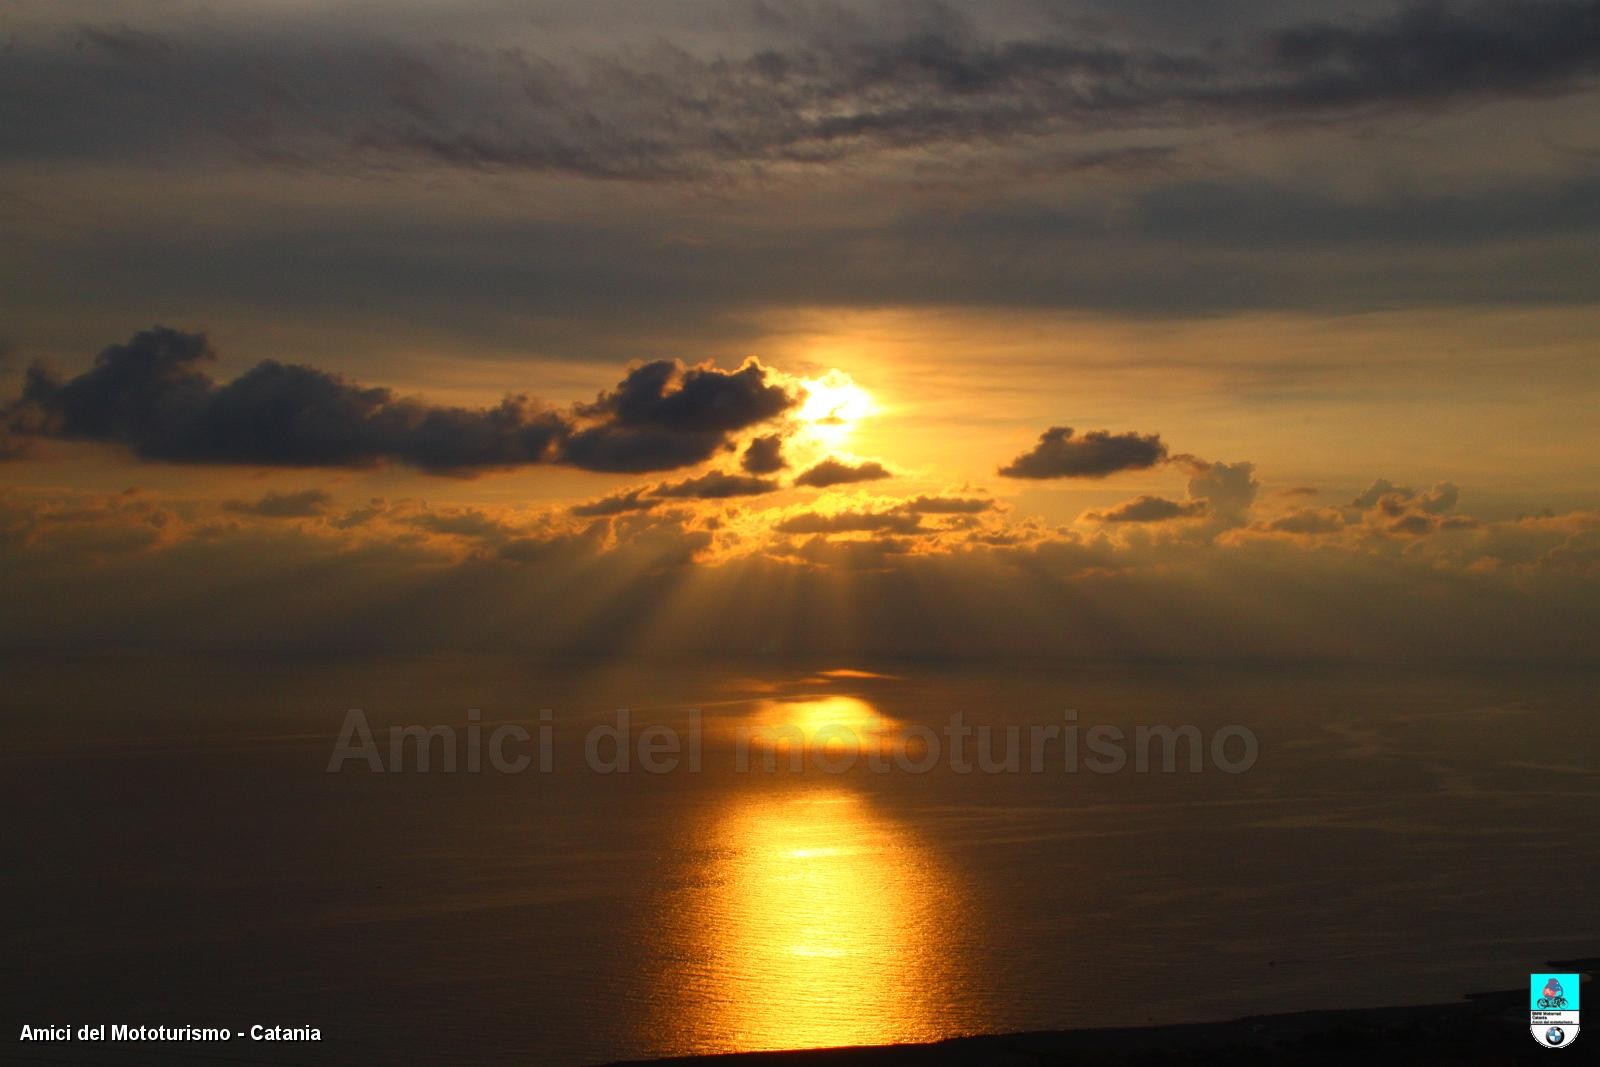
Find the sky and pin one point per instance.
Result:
(1093, 330)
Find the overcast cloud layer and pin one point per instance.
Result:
(805, 85)
(554, 175)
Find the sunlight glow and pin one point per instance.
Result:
(833, 405)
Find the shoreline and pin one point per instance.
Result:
(1480, 1028)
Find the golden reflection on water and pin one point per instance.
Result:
(833, 719)
(810, 918)
(824, 924)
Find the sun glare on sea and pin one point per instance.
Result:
(819, 921)
(836, 723)
(832, 407)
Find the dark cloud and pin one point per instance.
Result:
(638, 450)
(307, 503)
(617, 504)
(764, 455)
(661, 417)
(836, 472)
(663, 395)
(155, 395)
(715, 485)
(1437, 52)
(1093, 455)
(815, 90)
(1149, 509)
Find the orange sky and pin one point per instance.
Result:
(1312, 326)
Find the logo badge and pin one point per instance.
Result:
(1553, 1009)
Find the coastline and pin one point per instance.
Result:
(1481, 1028)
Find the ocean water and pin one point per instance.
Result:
(179, 854)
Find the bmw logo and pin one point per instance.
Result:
(1555, 1035)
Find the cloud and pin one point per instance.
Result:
(1271, 216)
(812, 522)
(12, 446)
(307, 503)
(662, 395)
(1441, 498)
(764, 455)
(874, 554)
(1149, 509)
(810, 90)
(124, 42)
(471, 523)
(1376, 492)
(1413, 525)
(1395, 500)
(948, 505)
(154, 395)
(1229, 489)
(1096, 454)
(617, 504)
(836, 472)
(713, 485)
(1434, 52)
(661, 417)
(716, 485)
(1310, 521)
(1221, 493)
(1437, 587)
(539, 550)
(357, 517)
(638, 450)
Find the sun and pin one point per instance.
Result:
(833, 405)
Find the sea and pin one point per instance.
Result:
(625, 860)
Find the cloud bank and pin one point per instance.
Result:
(904, 577)
(154, 395)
